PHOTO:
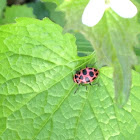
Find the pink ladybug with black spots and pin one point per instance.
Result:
(85, 76)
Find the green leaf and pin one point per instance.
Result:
(37, 99)
(2, 6)
(83, 46)
(58, 2)
(137, 67)
(56, 16)
(113, 39)
(137, 51)
(11, 13)
(36, 61)
(39, 9)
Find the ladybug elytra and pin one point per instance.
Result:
(85, 76)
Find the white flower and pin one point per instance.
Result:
(95, 10)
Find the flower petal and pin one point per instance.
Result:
(93, 12)
(124, 8)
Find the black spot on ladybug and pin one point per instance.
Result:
(84, 72)
(87, 79)
(91, 74)
(95, 70)
(77, 81)
(96, 74)
(81, 77)
(90, 68)
(93, 78)
(76, 76)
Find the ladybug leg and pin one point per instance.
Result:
(76, 89)
(89, 83)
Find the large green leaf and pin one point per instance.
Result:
(37, 100)
(113, 39)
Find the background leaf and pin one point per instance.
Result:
(2, 6)
(39, 9)
(55, 16)
(137, 52)
(83, 46)
(57, 2)
(37, 64)
(11, 13)
(113, 39)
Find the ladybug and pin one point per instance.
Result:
(85, 76)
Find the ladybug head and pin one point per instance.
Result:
(76, 79)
